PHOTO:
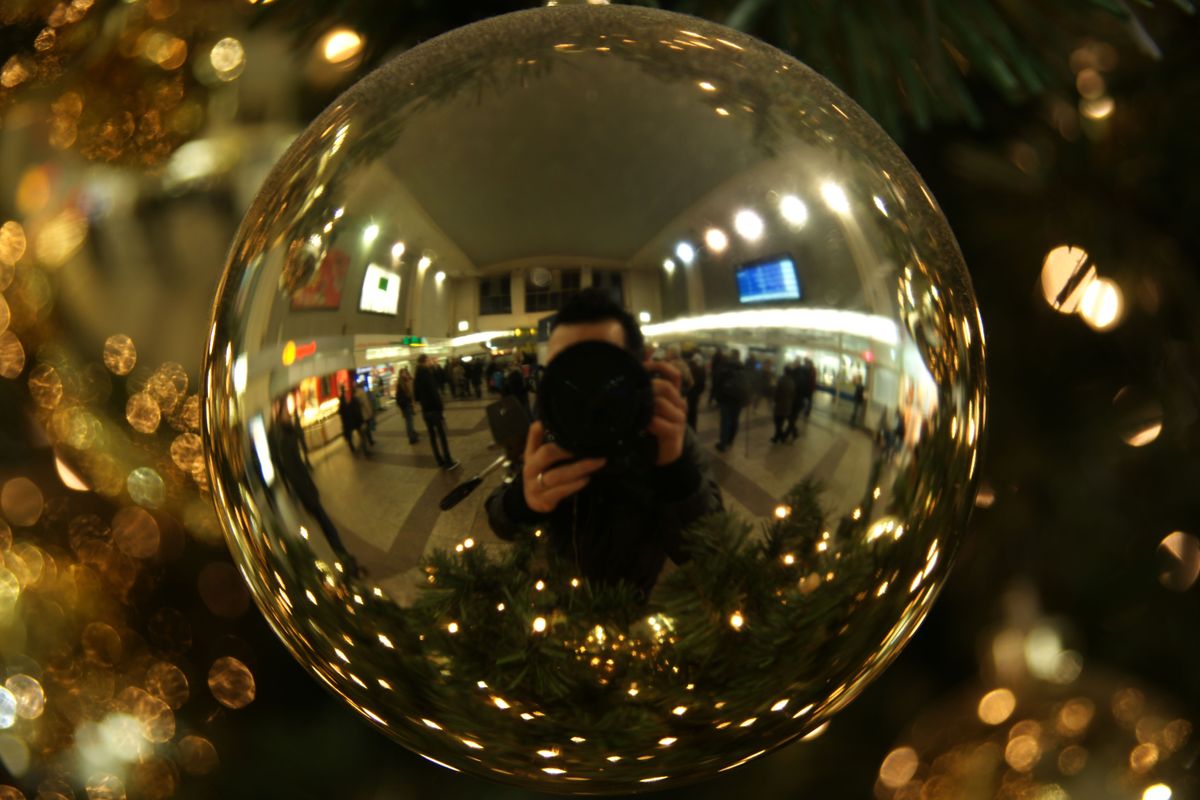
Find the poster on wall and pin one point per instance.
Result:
(324, 289)
(380, 291)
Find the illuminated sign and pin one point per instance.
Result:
(293, 352)
(380, 291)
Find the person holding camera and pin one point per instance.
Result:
(612, 472)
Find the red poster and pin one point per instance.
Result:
(324, 289)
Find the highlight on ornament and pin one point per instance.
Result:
(593, 400)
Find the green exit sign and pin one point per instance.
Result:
(414, 341)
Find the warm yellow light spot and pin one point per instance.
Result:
(468, 543)
(1023, 752)
(452, 627)
(789, 559)
(289, 353)
(540, 585)
(312, 598)
(717, 241)
(574, 583)
(500, 702)
(1097, 108)
(1102, 304)
(746, 723)
(781, 512)
(548, 753)
(539, 625)
(1066, 274)
(899, 767)
(857, 515)
(996, 706)
(12, 243)
(780, 705)
(667, 741)
(1144, 436)
(722, 112)
(1158, 791)
(736, 620)
(61, 237)
(386, 642)
(431, 724)
(500, 606)
(340, 45)
(815, 733)
(707, 86)
(679, 711)
(553, 771)
(227, 57)
(1179, 556)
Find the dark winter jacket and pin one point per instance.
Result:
(427, 392)
(620, 527)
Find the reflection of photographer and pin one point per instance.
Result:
(611, 472)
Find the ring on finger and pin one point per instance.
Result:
(541, 479)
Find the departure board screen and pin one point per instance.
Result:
(769, 281)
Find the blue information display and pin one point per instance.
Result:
(768, 281)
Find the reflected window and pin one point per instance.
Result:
(612, 282)
(548, 289)
(495, 295)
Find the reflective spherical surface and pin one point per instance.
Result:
(648, 217)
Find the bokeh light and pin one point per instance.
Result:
(1179, 561)
(142, 413)
(135, 532)
(231, 682)
(228, 58)
(120, 355)
(12, 247)
(197, 755)
(27, 691)
(167, 682)
(996, 706)
(61, 237)
(146, 487)
(899, 767)
(1067, 272)
(12, 355)
(340, 45)
(1102, 304)
(21, 501)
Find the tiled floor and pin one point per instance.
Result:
(386, 505)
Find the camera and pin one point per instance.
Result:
(595, 400)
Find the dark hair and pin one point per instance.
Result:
(597, 305)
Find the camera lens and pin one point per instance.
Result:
(596, 399)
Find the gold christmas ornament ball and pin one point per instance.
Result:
(750, 347)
